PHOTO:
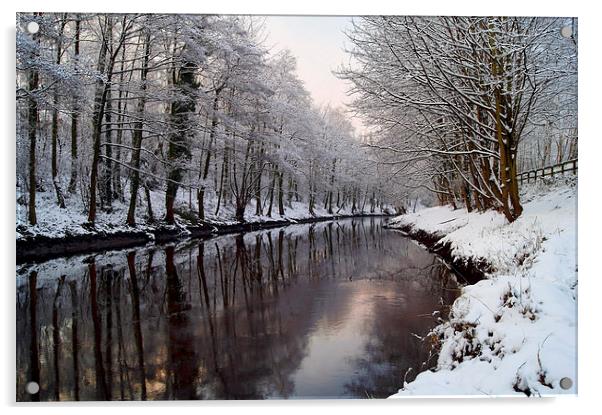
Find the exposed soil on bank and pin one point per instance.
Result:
(42, 248)
(468, 269)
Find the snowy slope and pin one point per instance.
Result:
(516, 331)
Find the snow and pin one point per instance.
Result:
(514, 332)
(54, 222)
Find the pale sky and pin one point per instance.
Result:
(317, 42)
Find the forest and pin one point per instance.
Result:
(460, 105)
(150, 117)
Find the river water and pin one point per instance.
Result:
(325, 310)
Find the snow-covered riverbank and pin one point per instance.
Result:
(514, 332)
(54, 222)
(66, 231)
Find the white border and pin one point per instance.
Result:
(590, 183)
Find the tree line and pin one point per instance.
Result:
(113, 109)
(460, 105)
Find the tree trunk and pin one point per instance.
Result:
(108, 164)
(271, 193)
(32, 126)
(179, 144)
(55, 126)
(240, 212)
(221, 180)
(330, 192)
(280, 194)
(258, 206)
(151, 216)
(121, 109)
(100, 96)
(205, 170)
(507, 152)
(291, 191)
(137, 135)
(74, 117)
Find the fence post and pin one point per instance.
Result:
(567, 166)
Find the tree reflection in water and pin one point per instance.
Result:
(317, 310)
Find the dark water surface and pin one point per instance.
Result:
(318, 310)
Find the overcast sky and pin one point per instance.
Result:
(317, 42)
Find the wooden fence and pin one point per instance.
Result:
(569, 166)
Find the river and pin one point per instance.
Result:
(325, 310)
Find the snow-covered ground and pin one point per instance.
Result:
(516, 331)
(54, 222)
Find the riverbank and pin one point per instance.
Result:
(61, 232)
(513, 330)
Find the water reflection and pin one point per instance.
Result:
(321, 310)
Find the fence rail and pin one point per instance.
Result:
(569, 166)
